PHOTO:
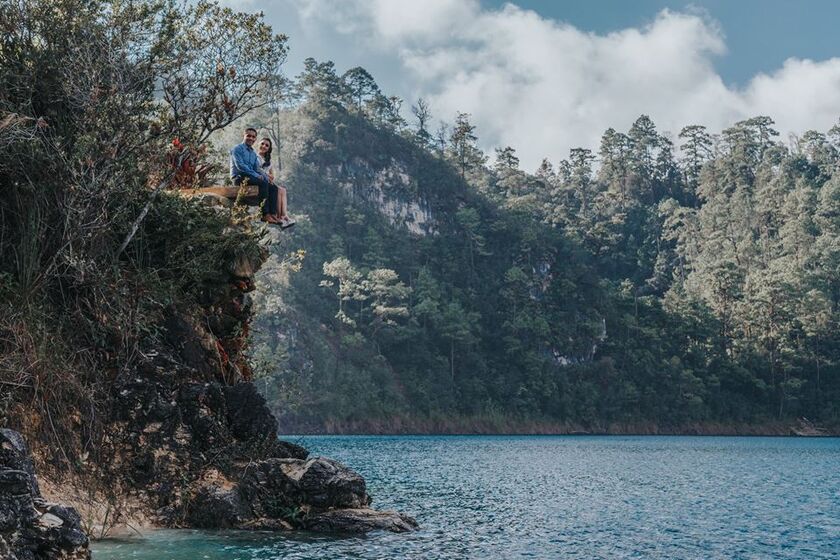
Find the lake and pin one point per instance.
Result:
(561, 497)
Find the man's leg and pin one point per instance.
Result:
(266, 195)
(272, 199)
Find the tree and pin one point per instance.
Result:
(462, 146)
(457, 327)
(216, 67)
(762, 127)
(510, 181)
(360, 87)
(441, 139)
(644, 143)
(615, 163)
(470, 222)
(343, 276)
(423, 115)
(385, 111)
(580, 162)
(506, 160)
(387, 295)
(319, 83)
(546, 172)
(697, 149)
(428, 292)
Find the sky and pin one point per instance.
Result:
(546, 76)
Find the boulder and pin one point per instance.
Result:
(325, 483)
(245, 266)
(14, 455)
(316, 483)
(142, 400)
(30, 527)
(215, 507)
(316, 494)
(289, 450)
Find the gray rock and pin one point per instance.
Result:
(326, 483)
(360, 521)
(49, 520)
(15, 483)
(25, 532)
(14, 454)
(275, 485)
(213, 507)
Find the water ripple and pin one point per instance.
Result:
(562, 497)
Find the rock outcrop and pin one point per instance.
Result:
(221, 443)
(30, 527)
(315, 494)
(191, 443)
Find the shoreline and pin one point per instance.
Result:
(288, 436)
(495, 427)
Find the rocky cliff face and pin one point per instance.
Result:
(389, 190)
(190, 443)
(207, 455)
(198, 446)
(30, 527)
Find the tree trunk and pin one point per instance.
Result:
(452, 359)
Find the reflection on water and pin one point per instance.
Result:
(561, 497)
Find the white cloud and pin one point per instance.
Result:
(543, 86)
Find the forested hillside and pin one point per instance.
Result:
(657, 283)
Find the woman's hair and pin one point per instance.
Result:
(267, 156)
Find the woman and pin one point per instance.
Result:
(264, 153)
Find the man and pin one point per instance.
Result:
(245, 166)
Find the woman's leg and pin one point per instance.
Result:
(282, 203)
(279, 202)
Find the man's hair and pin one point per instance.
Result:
(251, 128)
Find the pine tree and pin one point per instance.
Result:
(360, 87)
(463, 150)
(423, 115)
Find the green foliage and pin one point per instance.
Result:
(99, 100)
(651, 291)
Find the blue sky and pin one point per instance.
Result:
(760, 34)
(547, 76)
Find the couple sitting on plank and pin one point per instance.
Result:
(255, 168)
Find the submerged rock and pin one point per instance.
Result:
(30, 527)
(360, 521)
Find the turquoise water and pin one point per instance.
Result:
(562, 497)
